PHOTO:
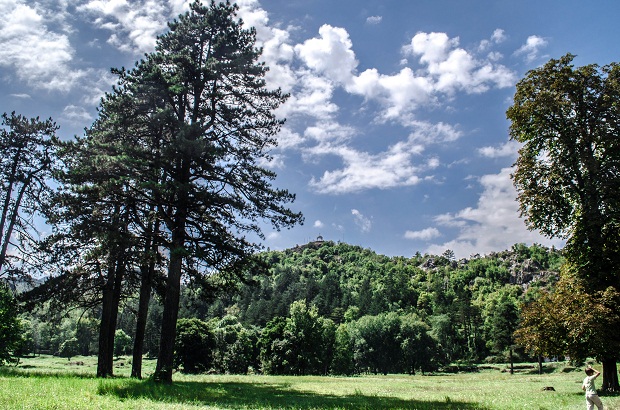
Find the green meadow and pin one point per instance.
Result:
(49, 382)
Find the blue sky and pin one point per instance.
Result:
(396, 137)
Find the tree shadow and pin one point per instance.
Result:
(235, 395)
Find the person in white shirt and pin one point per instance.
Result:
(592, 398)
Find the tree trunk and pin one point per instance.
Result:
(103, 367)
(610, 376)
(165, 359)
(7, 205)
(512, 366)
(540, 364)
(14, 213)
(116, 300)
(109, 314)
(142, 316)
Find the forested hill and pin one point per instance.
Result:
(346, 282)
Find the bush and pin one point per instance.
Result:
(122, 343)
(194, 346)
(69, 348)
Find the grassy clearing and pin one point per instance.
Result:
(54, 383)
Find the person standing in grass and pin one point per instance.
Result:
(588, 386)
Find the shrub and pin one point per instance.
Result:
(194, 346)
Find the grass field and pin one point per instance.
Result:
(48, 382)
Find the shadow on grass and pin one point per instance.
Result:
(265, 396)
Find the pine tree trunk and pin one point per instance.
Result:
(116, 300)
(104, 354)
(142, 316)
(165, 359)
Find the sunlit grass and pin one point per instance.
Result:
(54, 383)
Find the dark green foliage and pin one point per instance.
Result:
(567, 119)
(346, 282)
(420, 351)
(236, 348)
(273, 347)
(343, 360)
(455, 312)
(377, 346)
(10, 328)
(194, 346)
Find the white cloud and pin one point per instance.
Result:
(76, 114)
(509, 149)
(363, 170)
(278, 53)
(330, 54)
(374, 20)
(532, 48)
(311, 97)
(37, 55)
(493, 224)
(429, 133)
(446, 68)
(313, 70)
(453, 68)
(329, 132)
(498, 36)
(364, 223)
(134, 24)
(401, 164)
(400, 93)
(318, 224)
(424, 234)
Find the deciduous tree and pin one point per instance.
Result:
(568, 170)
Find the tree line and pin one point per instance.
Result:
(335, 308)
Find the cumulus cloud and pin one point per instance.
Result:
(455, 69)
(35, 53)
(509, 149)
(314, 70)
(330, 54)
(362, 170)
(531, 48)
(134, 25)
(278, 52)
(493, 224)
(498, 36)
(399, 94)
(364, 223)
(318, 224)
(424, 234)
(401, 164)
